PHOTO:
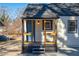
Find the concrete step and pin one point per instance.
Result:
(50, 48)
(38, 50)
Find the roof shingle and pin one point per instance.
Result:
(58, 9)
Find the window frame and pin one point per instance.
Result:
(51, 23)
(75, 31)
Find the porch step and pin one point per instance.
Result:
(38, 50)
(51, 48)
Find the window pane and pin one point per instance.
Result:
(48, 25)
(72, 25)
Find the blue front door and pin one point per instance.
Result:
(31, 30)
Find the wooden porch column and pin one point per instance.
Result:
(25, 28)
(44, 33)
(33, 31)
(22, 35)
(55, 22)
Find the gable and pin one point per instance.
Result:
(49, 14)
(39, 13)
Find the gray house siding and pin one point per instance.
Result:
(64, 38)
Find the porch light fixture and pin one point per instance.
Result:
(38, 22)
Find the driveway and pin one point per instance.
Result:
(10, 48)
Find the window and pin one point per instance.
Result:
(72, 25)
(48, 25)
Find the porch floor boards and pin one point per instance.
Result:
(49, 47)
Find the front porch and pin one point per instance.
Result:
(39, 34)
(39, 24)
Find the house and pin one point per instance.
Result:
(51, 24)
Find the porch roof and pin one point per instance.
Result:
(36, 11)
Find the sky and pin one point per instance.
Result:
(12, 8)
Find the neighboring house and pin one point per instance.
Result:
(52, 24)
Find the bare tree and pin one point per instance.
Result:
(4, 19)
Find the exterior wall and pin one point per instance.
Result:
(39, 33)
(64, 38)
(73, 38)
(62, 31)
(38, 30)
